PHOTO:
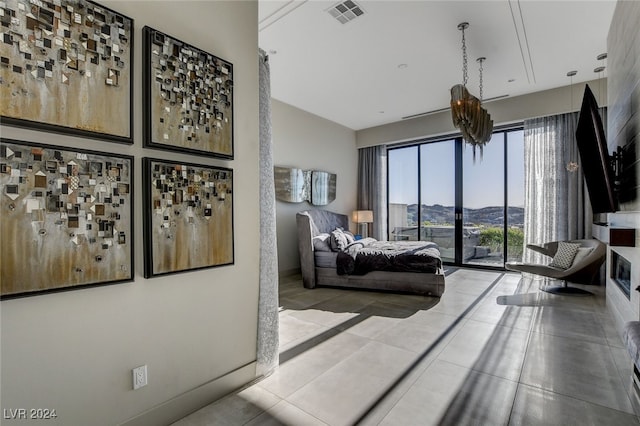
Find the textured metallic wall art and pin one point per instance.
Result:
(292, 185)
(188, 216)
(66, 66)
(188, 97)
(323, 188)
(296, 185)
(65, 218)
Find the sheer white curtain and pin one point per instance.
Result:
(556, 202)
(372, 187)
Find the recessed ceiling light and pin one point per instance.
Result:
(511, 80)
(402, 66)
(380, 112)
(273, 52)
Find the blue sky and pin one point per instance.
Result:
(482, 181)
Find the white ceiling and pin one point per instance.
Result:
(352, 74)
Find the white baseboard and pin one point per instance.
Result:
(193, 400)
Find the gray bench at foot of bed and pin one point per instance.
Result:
(411, 282)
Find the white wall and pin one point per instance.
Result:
(74, 351)
(306, 141)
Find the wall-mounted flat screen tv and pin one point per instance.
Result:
(594, 155)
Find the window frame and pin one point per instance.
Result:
(456, 138)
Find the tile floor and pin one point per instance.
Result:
(494, 350)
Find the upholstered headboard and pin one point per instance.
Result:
(311, 223)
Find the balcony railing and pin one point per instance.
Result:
(480, 244)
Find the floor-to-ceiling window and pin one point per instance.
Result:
(437, 196)
(515, 195)
(483, 183)
(403, 193)
(472, 208)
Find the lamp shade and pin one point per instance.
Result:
(363, 216)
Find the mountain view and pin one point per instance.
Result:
(438, 214)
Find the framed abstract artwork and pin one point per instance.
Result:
(66, 66)
(188, 97)
(188, 216)
(66, 218)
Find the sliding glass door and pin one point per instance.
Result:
(403, 193)
(483, 201)
(515, 195)
(438, 196)
(493, 201)
(472, 209)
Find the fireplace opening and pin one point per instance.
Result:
(621, 273)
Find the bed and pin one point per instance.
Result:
(407, 267)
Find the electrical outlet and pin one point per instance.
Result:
(139, 377)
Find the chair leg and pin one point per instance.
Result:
(566, 290)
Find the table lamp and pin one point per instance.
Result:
(363, 218)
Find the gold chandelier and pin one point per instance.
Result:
(467, 112)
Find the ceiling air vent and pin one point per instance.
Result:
(346, 11)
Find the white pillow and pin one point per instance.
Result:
(321, 242)
(349, 236)
(338, 240)
(565, 255)
(581, 254)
